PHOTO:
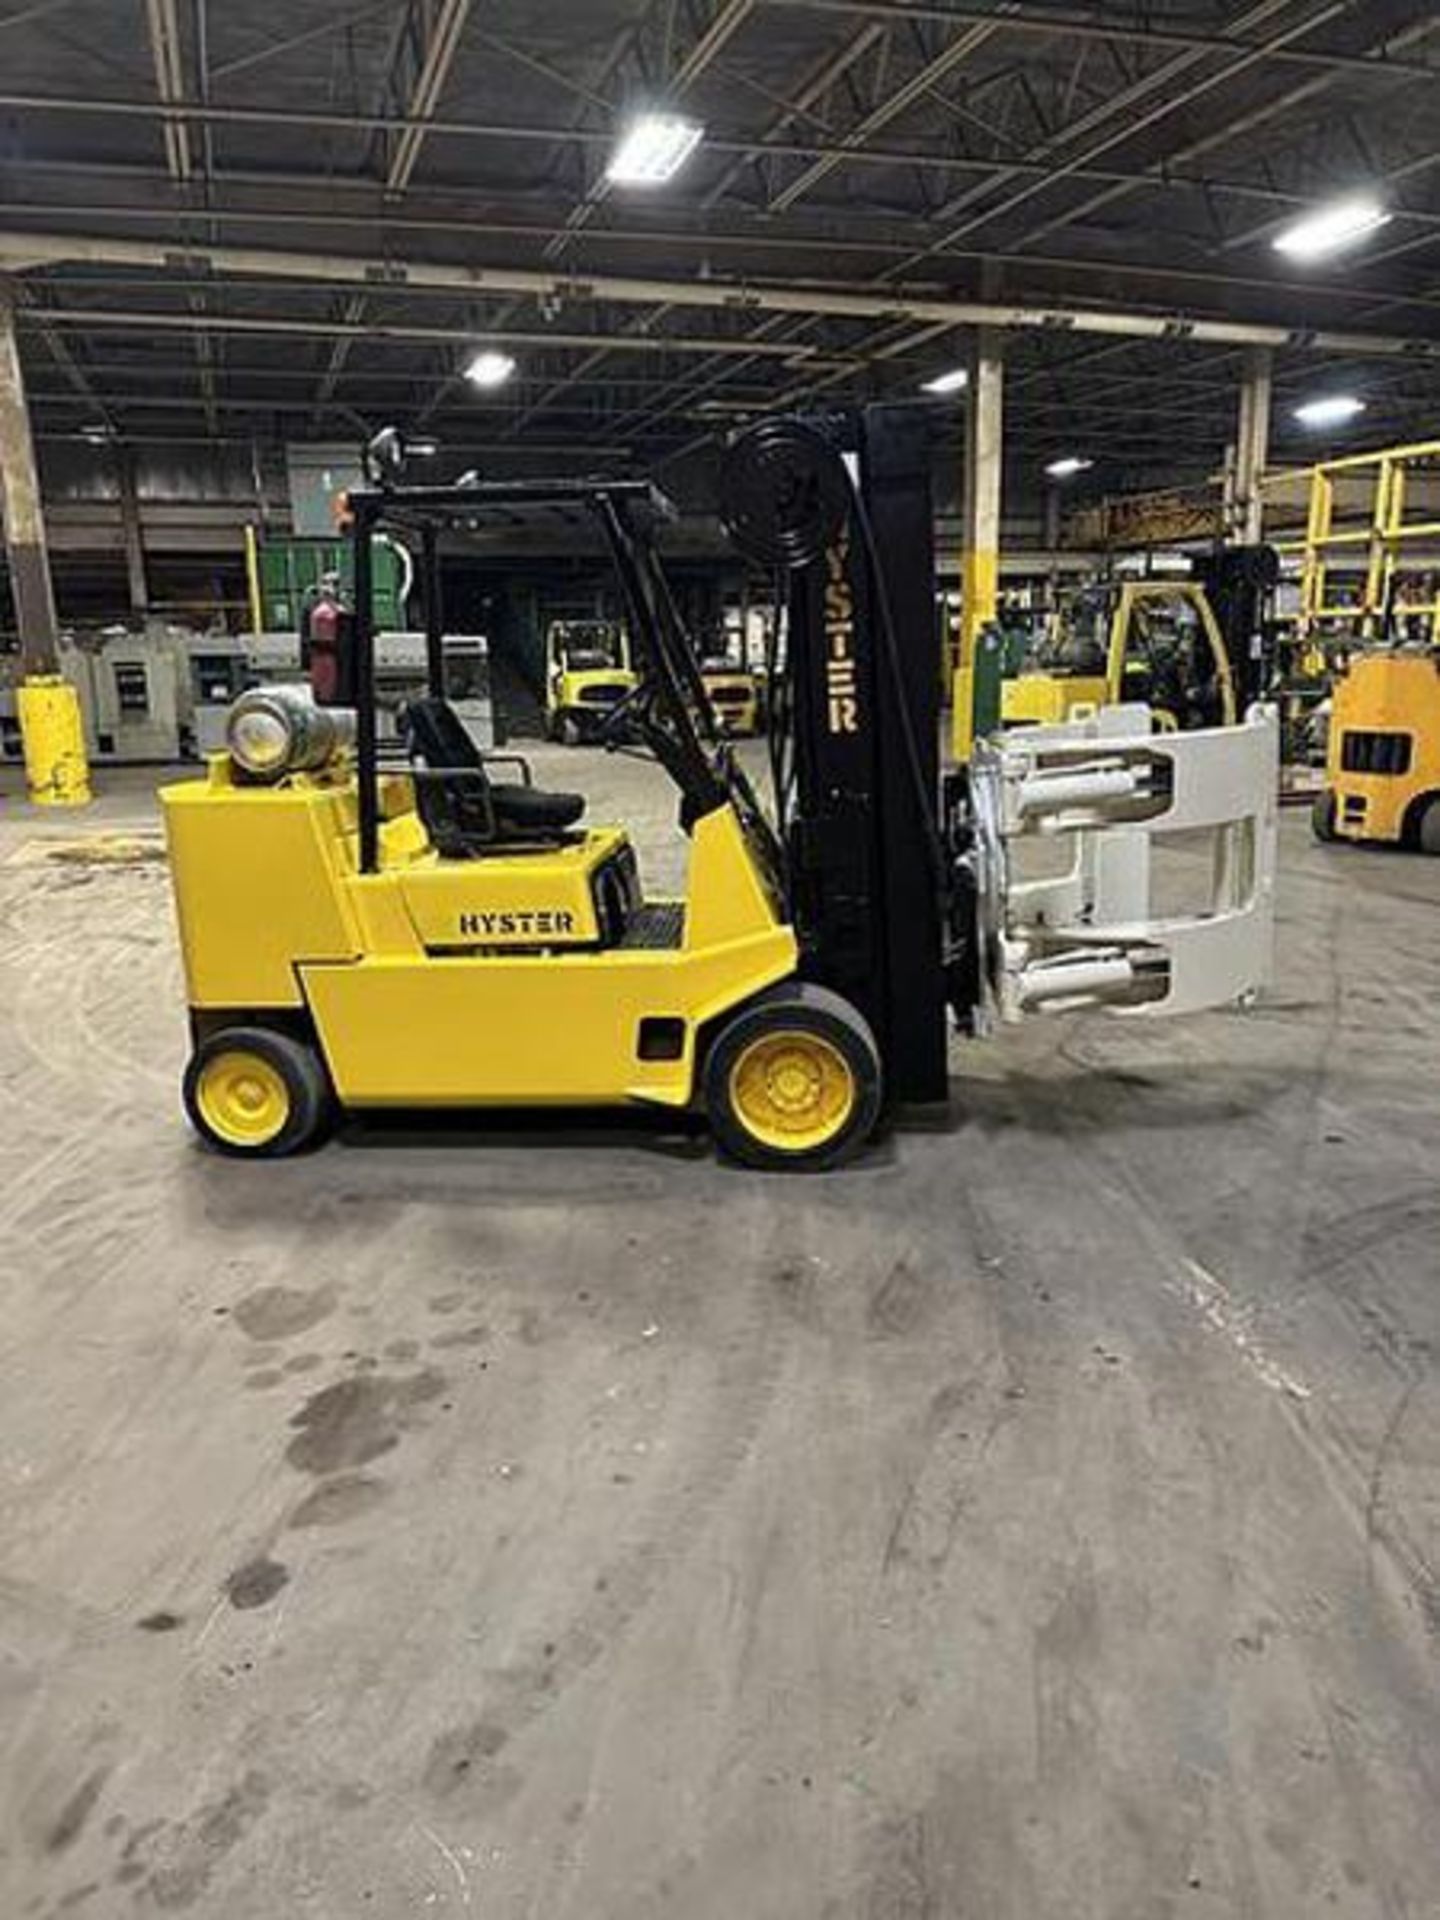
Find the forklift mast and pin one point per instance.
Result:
(1239, 583)
(843, 501)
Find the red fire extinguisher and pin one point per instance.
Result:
(328, 652)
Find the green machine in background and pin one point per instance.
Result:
(282, 577)
(991, 653)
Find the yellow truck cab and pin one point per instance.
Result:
(1382, 765)
(588, 673)
(1156, 641)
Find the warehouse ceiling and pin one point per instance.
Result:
(433, 174)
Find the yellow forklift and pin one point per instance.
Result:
(1382, 757)
(367, 925)
(588, 671)
(1153, 640)
(734, 694)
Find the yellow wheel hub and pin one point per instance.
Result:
(243, 1098)
(794, 1091)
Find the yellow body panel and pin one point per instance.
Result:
(532, 899)
(456, 983)
(560, 1027)
(1384, 694)
(258, 875)
(1047, 699)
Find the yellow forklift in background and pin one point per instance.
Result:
(1156, 641)
(1369, 615)
(1382, 758)
(588, 672)
(734, 693)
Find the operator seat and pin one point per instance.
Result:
(466, 813)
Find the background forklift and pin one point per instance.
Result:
(1192, 649)
(733, 690)
(1382, 758)
(588, 671)
(369, 934)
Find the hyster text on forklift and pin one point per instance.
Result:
(362, 932)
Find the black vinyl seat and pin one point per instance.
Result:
(465, 812)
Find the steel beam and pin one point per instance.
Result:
(1217, 137)
(1120, 104)
(146, 321)
(167, 55)
(1051, 24)
(441, 47)
(21, 251)
(717, 142)
(894, 104)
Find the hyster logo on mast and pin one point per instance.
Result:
(841, 696)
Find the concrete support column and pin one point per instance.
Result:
(980, 511)
(131, 531)
(1050, 521)
(24, 522)
(47, 706)
(1252, 449)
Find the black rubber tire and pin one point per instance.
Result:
(1427, 831)
(795, 1004)
(1322, 816)
(567, 730)
(312, 1101)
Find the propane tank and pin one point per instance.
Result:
(272, 731)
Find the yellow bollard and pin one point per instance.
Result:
(54, 741)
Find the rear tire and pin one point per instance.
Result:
(567, 730)
(793, 1080)
(257, 1094)
(1322, 816)
(1427, 836)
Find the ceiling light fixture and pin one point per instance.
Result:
(1329, 228)
(489, 368)
(1331, 411)
(652, 149)
(1068, 467)
(953, 382)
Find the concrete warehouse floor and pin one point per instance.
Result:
(1037, 1520)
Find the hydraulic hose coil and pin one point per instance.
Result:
(785, 493)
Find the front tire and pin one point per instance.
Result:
(257, 1094)
(1322, 816)
(567, 730)
(1427, 834)
(793, 1080)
